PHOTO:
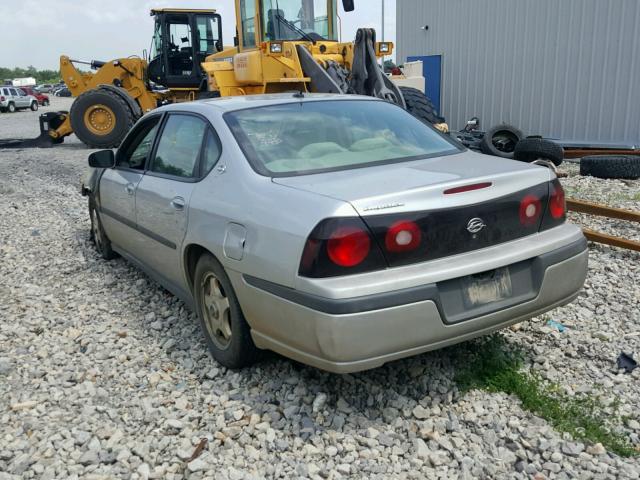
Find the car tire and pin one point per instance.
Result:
(11, 108)
(34, 106)
(225, 329)
(611, 166)
(501, 141)
(531, 149)
(45, 103)
(113, 118)
(98, 235)
(420, 106)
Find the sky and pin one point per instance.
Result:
(109, 29)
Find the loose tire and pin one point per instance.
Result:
(611, 166)
(98, 235)
(224, 327)
(501, 141)
(34, 106)
(531, 149)
(11, 108)
(420, 106)
(101, 118)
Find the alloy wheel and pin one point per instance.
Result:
(216, 310)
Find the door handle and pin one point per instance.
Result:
(130, 188)
(178, 203)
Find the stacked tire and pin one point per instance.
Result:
(532, 149)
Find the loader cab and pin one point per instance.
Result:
(285, 20)
(182, 39)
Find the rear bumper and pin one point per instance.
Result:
(351, 334)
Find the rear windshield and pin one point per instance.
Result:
(311, 137)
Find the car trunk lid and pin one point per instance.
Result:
(420, 185)
(450, 204)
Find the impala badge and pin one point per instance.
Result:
(475, 225)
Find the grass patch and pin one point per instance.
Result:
(495, 366)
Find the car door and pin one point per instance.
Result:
(116, 195)
(162, 198)
(15, 97)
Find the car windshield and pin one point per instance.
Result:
(318, 136)
(298, 19)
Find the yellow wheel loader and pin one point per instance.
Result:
(294, 45)
(113, 95)
(280, 46)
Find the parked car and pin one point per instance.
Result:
(62, 92)
(13, 98)
(44, 88)
(336, 230)
(41, 97)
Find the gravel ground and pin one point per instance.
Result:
(103, 374)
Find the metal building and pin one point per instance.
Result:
(567, 69)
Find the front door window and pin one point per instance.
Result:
(136, 148)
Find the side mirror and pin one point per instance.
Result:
(348, 5)
(102, 159)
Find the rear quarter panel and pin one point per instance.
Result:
(277, 218)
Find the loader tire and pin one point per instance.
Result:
(101, 118)
(611, 166)
(532, 149)
(420, 106)
(501, 141)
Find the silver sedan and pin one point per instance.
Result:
(336, 230)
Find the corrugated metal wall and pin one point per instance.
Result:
(567, 69)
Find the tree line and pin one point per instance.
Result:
(41, 76)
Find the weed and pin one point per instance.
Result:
(496, 367)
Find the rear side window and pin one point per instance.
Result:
(179, 146)
(211, 152)
(13, 92)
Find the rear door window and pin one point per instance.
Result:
(179, 146)
(13, 92)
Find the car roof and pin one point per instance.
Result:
(229, 104)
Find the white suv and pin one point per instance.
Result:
(12, 99)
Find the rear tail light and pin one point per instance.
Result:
(530, 210)
(556, 213)
(403, 236)
(340, 246)
(348, 246)
(2, 99)
(557, 204)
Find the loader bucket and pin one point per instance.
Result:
(48, 121)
